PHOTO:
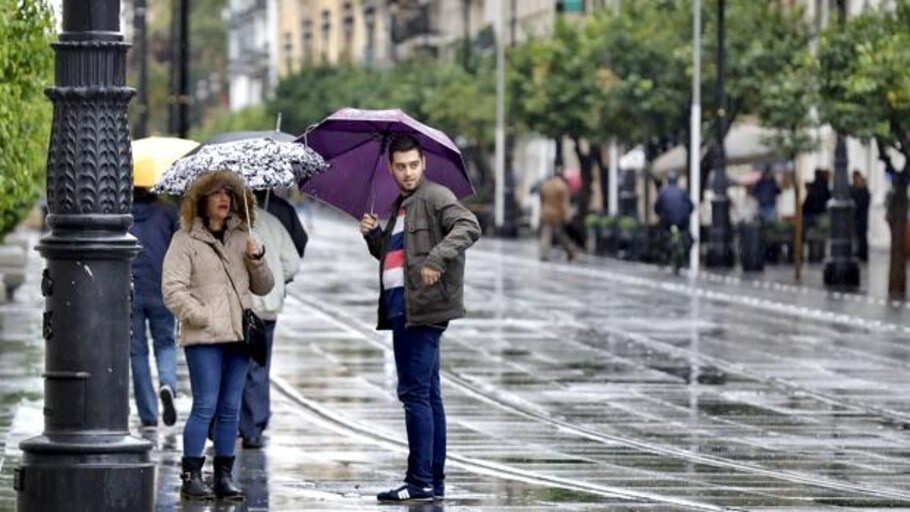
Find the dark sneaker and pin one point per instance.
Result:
(406, 492)
(439, 493)
(169, 414)
(253, 443)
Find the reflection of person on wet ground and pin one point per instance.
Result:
(421, 255)
(211, 269)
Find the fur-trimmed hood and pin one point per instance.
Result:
(206, 184)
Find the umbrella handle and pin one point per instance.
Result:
(246, 208)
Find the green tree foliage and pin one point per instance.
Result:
(26, 63)
(222, 121)
(864, 72)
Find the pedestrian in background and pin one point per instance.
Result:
(765, 191)
(154, 223)
(555, 212)
(211, 270)
(817, 196)
(285, 212)
(673, 206)
(859, 192)
(421, 269)
(284, 262)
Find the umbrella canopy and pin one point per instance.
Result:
(355, 142)
(152, 155)
(573, 179)
(744, 144)
(261, 162)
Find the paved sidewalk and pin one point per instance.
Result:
(594, 386)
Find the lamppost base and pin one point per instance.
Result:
(82, 475)
(842, 274)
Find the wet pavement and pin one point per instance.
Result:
(599, 385)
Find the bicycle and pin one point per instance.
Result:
(677, 249)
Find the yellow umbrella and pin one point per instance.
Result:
(152, 155)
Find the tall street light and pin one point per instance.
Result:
(720, 252)
(612, 198)
(841, 270)
(695, 142)
(500, 154)
(85, 458)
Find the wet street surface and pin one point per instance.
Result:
(598, 385)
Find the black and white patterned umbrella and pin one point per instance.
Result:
(262, 163)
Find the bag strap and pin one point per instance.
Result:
(228, 273)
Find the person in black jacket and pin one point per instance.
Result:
(859, 192)
(287, 214)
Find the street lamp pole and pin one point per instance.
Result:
(613, 169)
(500, 154)
(85, 458)
(509, 227)
(183, 84)
(695, 141)
(720, 252)
(841, 270)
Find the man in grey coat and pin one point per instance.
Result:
(421, 255)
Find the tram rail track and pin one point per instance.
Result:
(346, 321)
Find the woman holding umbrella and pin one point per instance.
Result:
(211, 269)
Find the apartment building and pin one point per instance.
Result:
(252, 50)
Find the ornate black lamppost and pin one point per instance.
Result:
(720, 252)
(841, 270)
(85, 458)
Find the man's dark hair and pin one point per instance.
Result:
(403, 143)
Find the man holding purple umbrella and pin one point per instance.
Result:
(421, 255)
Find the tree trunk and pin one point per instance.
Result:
(598, 162)
(557, 159)
(897, 220)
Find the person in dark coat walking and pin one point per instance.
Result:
(673, 206)
(154, 224)
(817, 196)
(287, 215)
(859, 192)
(421, 255)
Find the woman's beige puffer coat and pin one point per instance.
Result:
(195, 281)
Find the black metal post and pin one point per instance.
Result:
(183, 85)
(85, 458)
(628, 197)
(841, 270)
(509, 227)
(720, 250)
(140, 129)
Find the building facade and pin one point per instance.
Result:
(252, 50)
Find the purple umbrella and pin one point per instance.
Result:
(354, 142)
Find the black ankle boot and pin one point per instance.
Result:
(224, 480)
(194, 488)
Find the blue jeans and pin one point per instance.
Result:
(151, 309)
(255, 409)
(217, 374)
(417, 362)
